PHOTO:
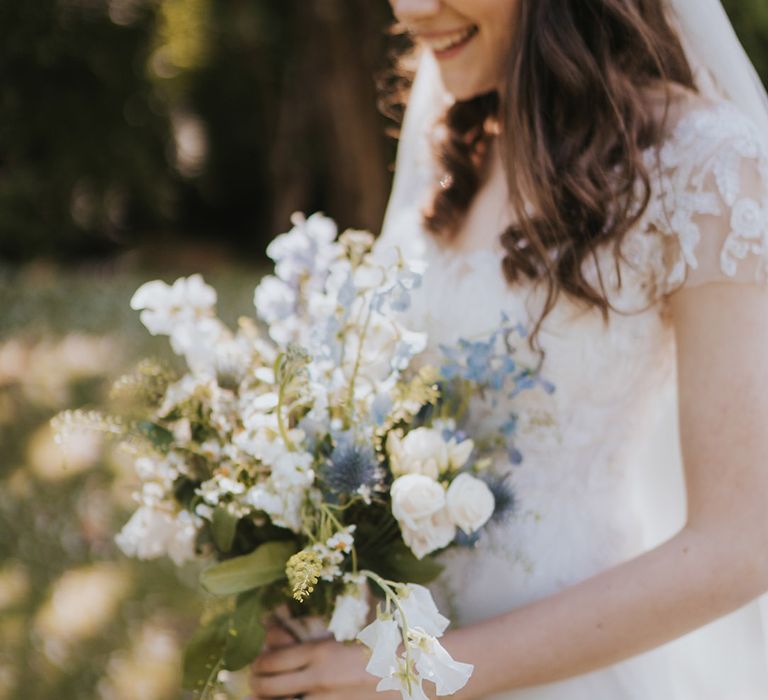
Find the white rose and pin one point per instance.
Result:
(470, 503)
(430, 534)
(418, 504)
(422, 451)
(416, 497)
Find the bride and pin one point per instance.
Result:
(598, 169)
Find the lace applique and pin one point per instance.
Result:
(710, 196)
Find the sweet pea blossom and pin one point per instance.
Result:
(383, 638)
(350, 612)
(164, 306)
(435, 664)
(404, 680)
(420, 610)
(152, 533)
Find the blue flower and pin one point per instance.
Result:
(350, 466)
(503, 495)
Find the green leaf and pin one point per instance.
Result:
(246, 632)
(204, 653)
(224, 526)
(156, 434)
(400, 564)
(262, 566)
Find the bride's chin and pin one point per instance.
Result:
(463, 88)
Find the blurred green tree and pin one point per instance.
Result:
(127, 121)
(751, 20)
(83, 137)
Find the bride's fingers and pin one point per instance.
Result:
(284, 660)
(284, 685)
(278, 637)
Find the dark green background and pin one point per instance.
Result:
(93, 91)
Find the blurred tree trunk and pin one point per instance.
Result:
(330, 148)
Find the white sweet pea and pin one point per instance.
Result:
(382, 637)
(470, 502)
(435, 664)
(164, 306)
(152, 533)
(420, 610)
(350, 612)
(407, 683)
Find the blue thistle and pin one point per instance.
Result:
(350, 466)
(503, 495)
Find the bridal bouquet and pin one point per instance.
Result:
(311, 460)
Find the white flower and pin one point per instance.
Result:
(342, 541)
(350, 612)
(163, 307)
(420, 610)
(152, 533)
(435, 664)
(418, 504)
(407, 683)
(470, 502)
(282, 506)
(274, 299)
(416, 497)
(293, 469)
(425, 451)
(382, 637)
(430, 534)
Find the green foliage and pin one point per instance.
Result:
(204, 653)
(262, 566)
(750, 17)
(224, 527)
(246, 631)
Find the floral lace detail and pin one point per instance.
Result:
(710, 195)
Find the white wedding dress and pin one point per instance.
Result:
(601, 479)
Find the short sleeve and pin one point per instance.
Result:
(710, 200)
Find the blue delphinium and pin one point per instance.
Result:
(351, 467)
(489, 365)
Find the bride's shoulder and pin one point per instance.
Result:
(710, 177)
(696, 124)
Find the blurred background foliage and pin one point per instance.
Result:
(145, 137)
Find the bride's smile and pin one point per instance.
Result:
(469, 38)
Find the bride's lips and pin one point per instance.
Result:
(447, 44)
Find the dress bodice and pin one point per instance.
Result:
(601, 476)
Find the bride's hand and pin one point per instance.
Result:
(325, 670)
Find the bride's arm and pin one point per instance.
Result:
(714, 565)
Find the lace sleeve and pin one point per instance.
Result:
(711, 202)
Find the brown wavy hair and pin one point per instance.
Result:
(573, 122)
